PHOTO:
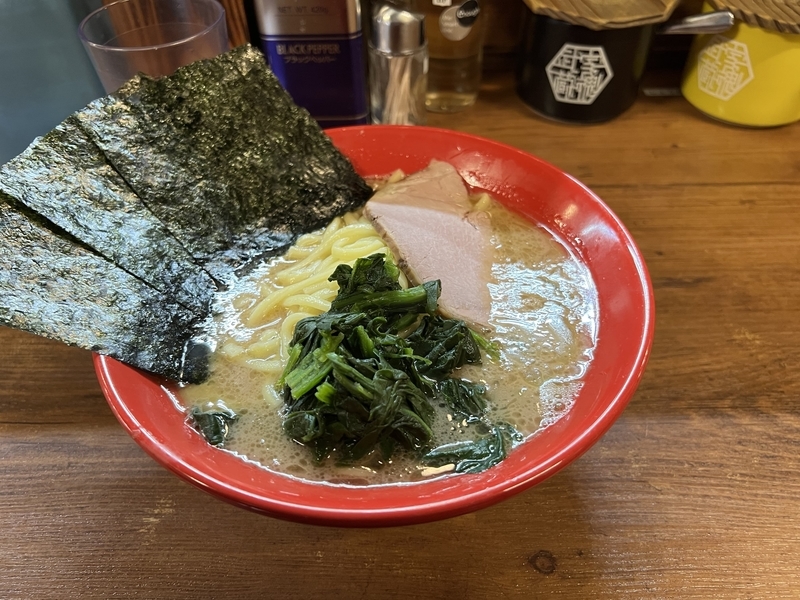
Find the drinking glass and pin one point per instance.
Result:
(154, 37)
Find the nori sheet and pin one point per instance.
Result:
(220, 153)
(64, 177)
(216, 156)
(54, 286)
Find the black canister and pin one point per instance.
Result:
(579, 75)
(575, 74)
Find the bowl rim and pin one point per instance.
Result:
(487, 489)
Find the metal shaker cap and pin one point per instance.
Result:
(396, 31)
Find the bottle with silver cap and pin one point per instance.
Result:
(398, 67)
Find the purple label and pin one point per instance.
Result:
(323, 74)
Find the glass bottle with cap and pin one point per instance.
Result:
(398, 67)
(455, 34)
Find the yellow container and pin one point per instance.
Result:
(747, 76)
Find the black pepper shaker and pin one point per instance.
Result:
(398, 66)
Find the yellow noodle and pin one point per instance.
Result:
(396, 176)
(333, 226)
(298, 252)
(308, 239)
(402, 280)
(328, 294)
(351, 217)
(297, 287)
(264, 308)
(232, 350)
(346, 234)
(265, 366)
(267, 335)
(287, 330)
(323, 256)
(350, 232)
(295, 274)
(265, 349)
(350, 252)
(484, 202)
(320, 286)
(272, 399)
(307, 302)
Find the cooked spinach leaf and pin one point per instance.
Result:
(214, 424)
(362, 377)
(474, 456)
(464, 398)
(446, 344)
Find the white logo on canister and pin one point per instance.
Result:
(723, 67)
(578, 74)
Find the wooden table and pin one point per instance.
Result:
(693, 493)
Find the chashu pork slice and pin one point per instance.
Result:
(428, 221)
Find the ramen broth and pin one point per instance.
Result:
(544, 315)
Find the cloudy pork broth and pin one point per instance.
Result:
(544, 319)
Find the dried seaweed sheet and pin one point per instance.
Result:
(64, 177)
(220, 153)
(103, 221)
(54, 286)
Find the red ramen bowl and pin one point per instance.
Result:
(146, 407)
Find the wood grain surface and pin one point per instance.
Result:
(693, 493)
(236, 21)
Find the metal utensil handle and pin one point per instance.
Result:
(713, 22)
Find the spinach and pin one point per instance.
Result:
(464, 398)
(362, 377)
(474, 456)
(214, 424)
(445, 344)
(467, 401)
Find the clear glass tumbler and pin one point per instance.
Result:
(154, 37)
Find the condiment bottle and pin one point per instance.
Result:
(398, 67)
(454, 30)
(315, 48)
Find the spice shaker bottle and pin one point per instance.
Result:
(454, 30)
(316, 50)
(398, 67)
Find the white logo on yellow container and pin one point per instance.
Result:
(723, 67)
